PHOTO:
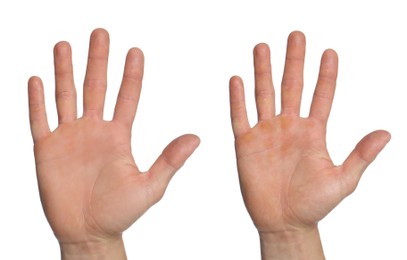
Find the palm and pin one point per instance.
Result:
(96, 169)
(287, 178)
(293, 171)
(89, 183)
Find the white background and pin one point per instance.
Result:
(191, 49)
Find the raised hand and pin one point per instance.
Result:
(287, 178)
(91, 189)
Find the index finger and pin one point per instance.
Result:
(129, 94)
(325, 89)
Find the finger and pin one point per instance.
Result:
(364, 154)
(293, 78)
(325, 89)
(38, 116)
(96, 74)
(238, 114)
(170, 161)
(65, 93)
(127, 100)
(264, 89)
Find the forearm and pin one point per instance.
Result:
(293, 245)
(101, 250)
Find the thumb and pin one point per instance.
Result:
(170, 161)
(364, 154)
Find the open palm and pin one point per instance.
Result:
(89, 183)
(287, 178)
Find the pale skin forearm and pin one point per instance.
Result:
(293, 245)
(97, 250)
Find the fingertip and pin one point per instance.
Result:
(236, 90)
(187, 142)
(100, 32)
(235, 81)
(236, 87)
(261, 49)
(136, 52)
(330, 56)
(297, 37)
(385, 135)
(62, 47)
(136, 55)
(382, 138)
(100, 37)
(194, 140)
(331, 52)
(378, 137)
(34, 82)
(34, 79)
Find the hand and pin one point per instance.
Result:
(90, 187)
(287, 178)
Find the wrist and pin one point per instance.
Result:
(293, 244)
(96, 249)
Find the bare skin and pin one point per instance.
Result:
(288, 180)
(91, 188)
